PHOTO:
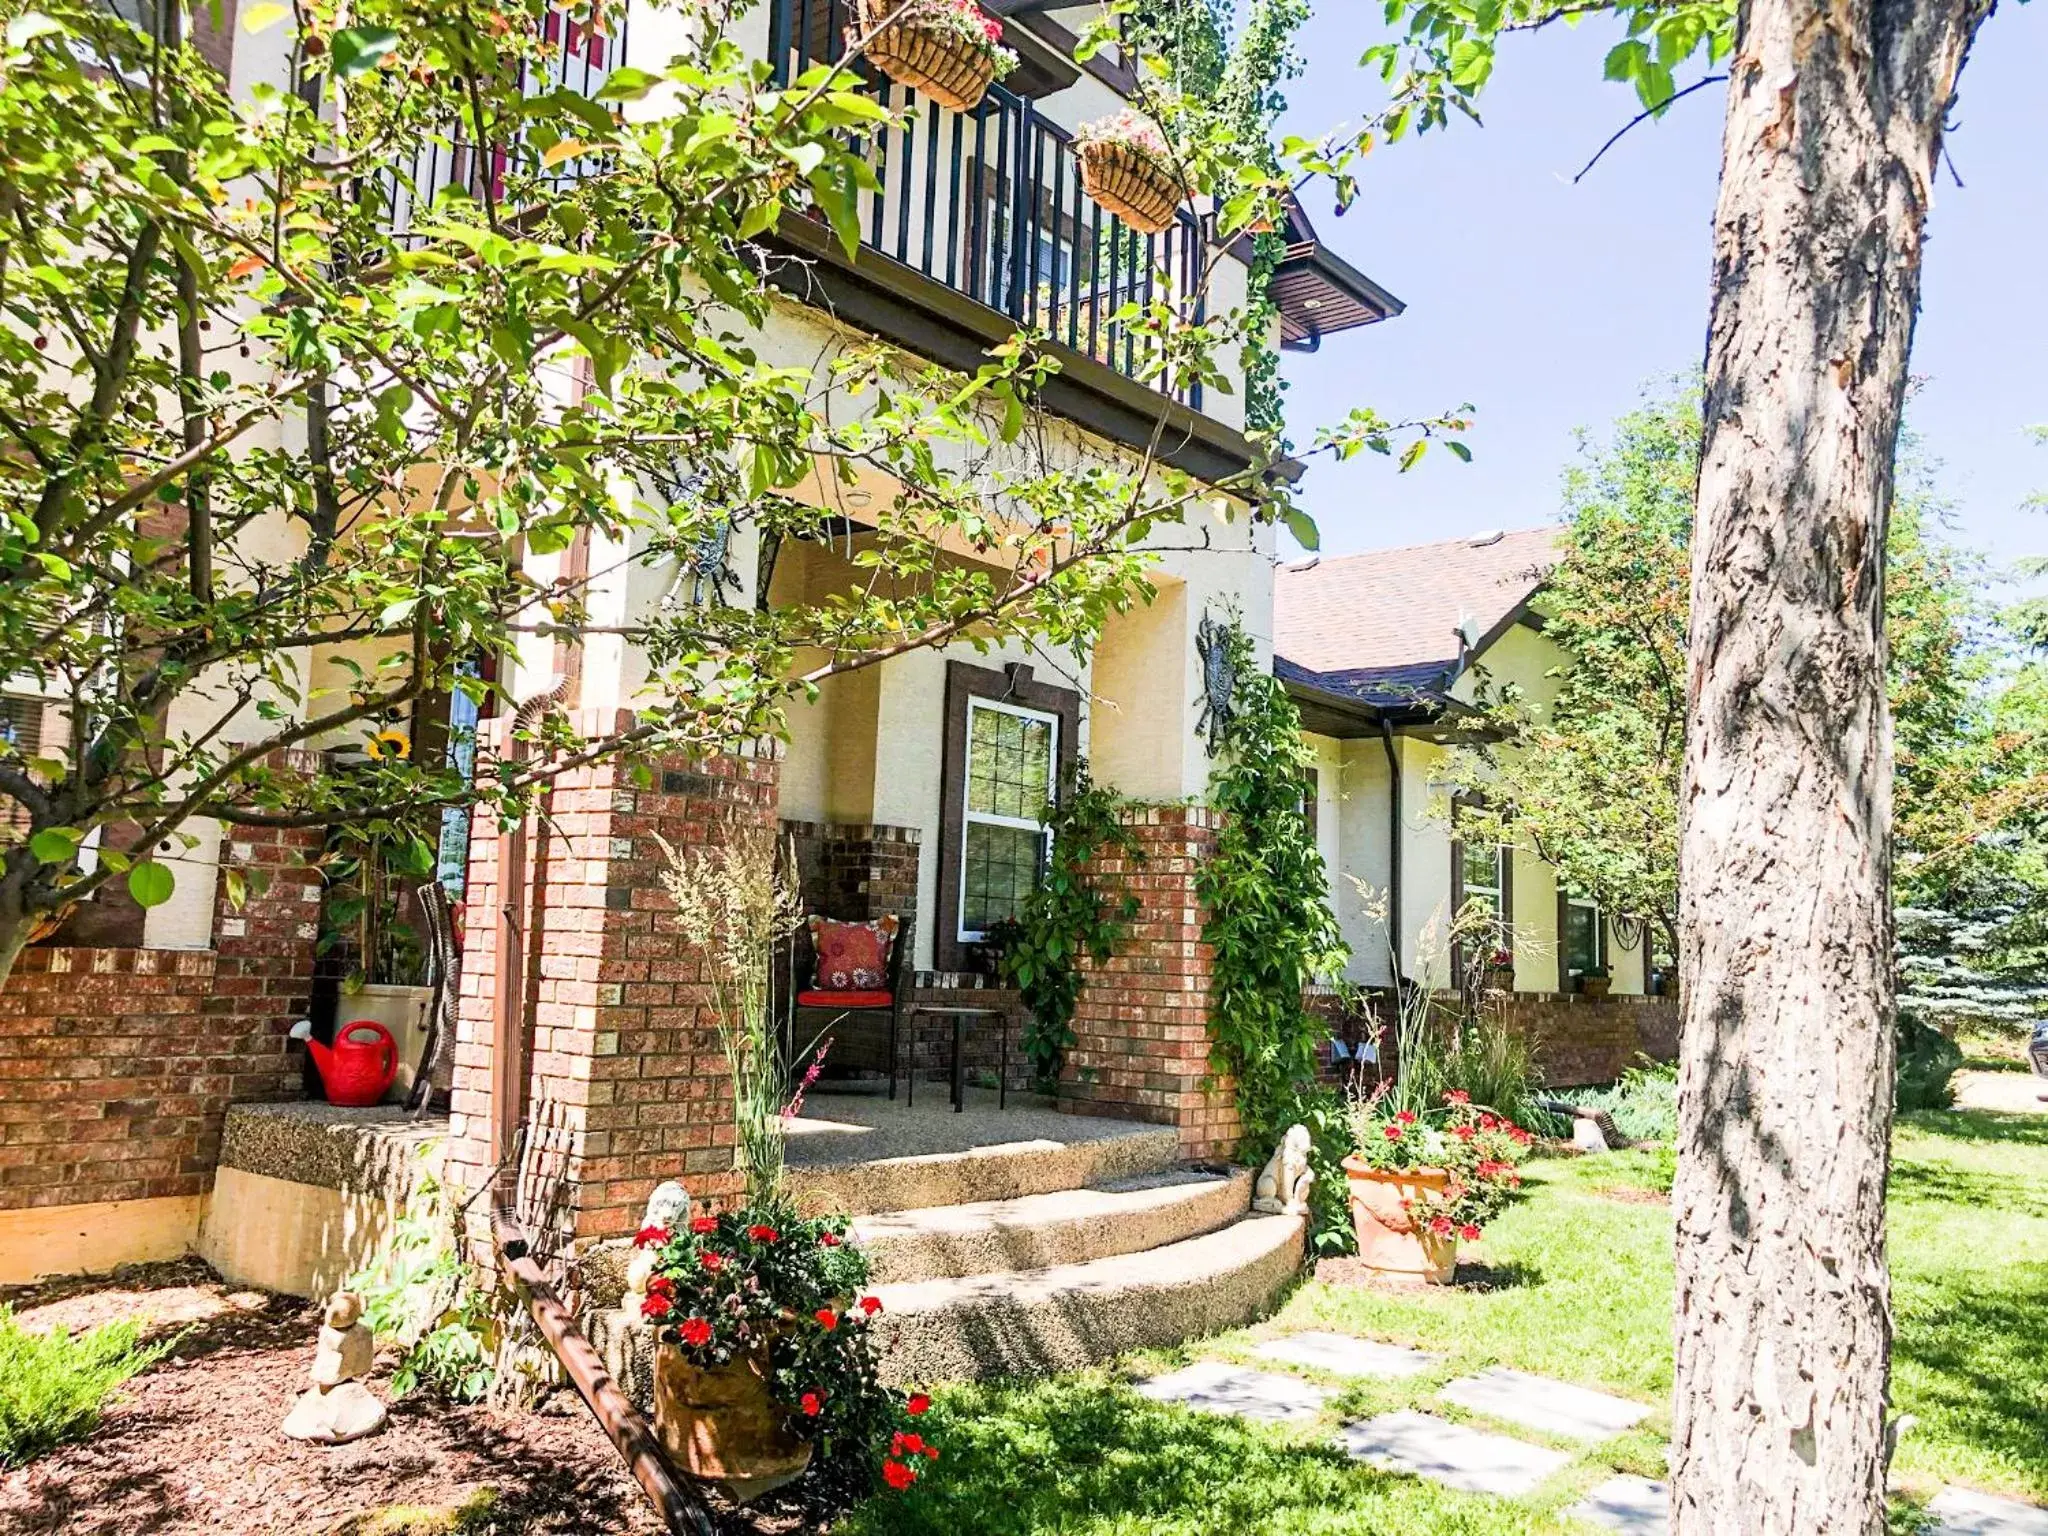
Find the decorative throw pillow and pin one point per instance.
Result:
(853, 957)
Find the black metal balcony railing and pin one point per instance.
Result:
(990, 203)
(574, 57)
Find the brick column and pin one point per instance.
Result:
(625, 1050)
(1141, 1029)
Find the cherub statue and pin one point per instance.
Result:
(1282, 1189)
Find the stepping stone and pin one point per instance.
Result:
(1344, 1355)
(1964, 1513)
(1635, 1506)
(1575, 1412)
(1215, 1386)
(1454, 1454)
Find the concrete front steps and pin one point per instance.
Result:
(1076, 1241)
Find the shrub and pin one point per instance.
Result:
(1644, 1103)
(53, 1385)
(1927, 1061)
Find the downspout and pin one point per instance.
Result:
(1393, 847)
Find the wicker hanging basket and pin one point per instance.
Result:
(936, 63)
(1130, 183)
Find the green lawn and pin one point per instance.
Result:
(1577, 1285)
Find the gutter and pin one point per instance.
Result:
(1393, 847)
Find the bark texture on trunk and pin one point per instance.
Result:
(1783, 1322)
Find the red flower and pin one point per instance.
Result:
(650, 1237)
(654, 1308)
(1391, 1132)
(1440, 1225)
(827, 1318)
(898, 1474)
(918, 1405)
(696, 1333)
(931, 1453)
(871, 1305)
(704, 1225)
(763, 1234)
(914, 1444)
(1463, 1132)
(1521, 1136)
(813, 1404)
(661, 1285)
(1406, 1117)
(1489, 1122)
(1457, 1096)
(1469, 1233)
(829, 1239)
(712, 1262)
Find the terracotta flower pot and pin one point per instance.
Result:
(722, 1426)
(1500, 978)
(1130, 183)
(936, 63)
(1388, 1240)
(1595, 986)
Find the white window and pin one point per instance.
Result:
(1484, 880)
(1585, 936)
(1012, 757)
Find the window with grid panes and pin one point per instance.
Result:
(1012, 756)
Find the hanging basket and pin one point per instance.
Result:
(936, 63)
(1131, 184)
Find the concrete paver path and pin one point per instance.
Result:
(1552, 1406)
(1453, 1454)
(1961, 1512)
(1343, 1355)
(1215, 1386)
(1635, 1506)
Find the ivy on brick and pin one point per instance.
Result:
(1272, 931)
(1066, 918)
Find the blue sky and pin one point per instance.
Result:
(1550, 306)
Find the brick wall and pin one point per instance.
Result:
(854, 873)
(1142, 1026)
(118, 1065)
(1577, 1040)
(625, 1048)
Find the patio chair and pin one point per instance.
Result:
(816, 1008)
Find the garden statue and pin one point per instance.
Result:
(668, 1206)
(337, 1407)
(1283, 1184)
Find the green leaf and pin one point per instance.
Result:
(1414, 454)
(55, 845)
(151, 884)
(1459, 449)
(358, 50)
(238, 888)
(1304, 529)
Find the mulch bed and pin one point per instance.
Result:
(193, 1445)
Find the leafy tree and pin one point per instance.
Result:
(267, 389)
(1833, 133)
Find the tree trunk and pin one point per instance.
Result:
(1783, 1322)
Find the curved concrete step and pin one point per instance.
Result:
(1071, 1226)
(1037, 1321)
(1087, 1152)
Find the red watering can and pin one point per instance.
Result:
(359, 1066)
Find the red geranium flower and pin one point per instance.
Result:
(914, 1444)
(898, 1474)
(813, 1404)
(696, 1333)
(931, 1453)
(763, 1234)
(871, 1305)
(1489, 1122)
(1405, 1117)
(654, 1308)
(1463, 1132)
(704, 1224)
(1457, 1096)
(1440, 1225)
(661, 1285)
(1391, 1132)
(1469, 1233)
(918, 1405)
(829, 1239)
(827, 1318)
(650, 1237)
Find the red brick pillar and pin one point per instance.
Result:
(625, 1052)
(1141, 1047)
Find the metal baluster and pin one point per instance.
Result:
(1074, 259)
(1059, 203)
(881, 197)
(908, 174)
(931, 185)
(999, 241)
(778, 38)
(977, 228)
(1094, 278)
(953, 208)
(1151, 275)
(803, 39)
(1020, 216)
(1034, 213)
(1201, 304)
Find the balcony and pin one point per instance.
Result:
(989, 206)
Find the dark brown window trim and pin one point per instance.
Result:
(1012, 685)
(1505, 855)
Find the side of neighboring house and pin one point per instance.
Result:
(1384, 653)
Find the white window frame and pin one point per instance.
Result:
(1498, 890)
(969, 815)
(1600, 959)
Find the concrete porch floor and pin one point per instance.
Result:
(836, 1129)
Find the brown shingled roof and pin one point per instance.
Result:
(1399, 609)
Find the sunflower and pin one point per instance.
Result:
(389, 744)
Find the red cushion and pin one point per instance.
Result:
(852, 957)
(844, 999)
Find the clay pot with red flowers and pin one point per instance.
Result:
(765, 1358)
(1422, 1180)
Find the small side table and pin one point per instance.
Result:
(960, 1015)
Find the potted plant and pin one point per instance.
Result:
(950, 51)
(1420, 1181)
(1127, 167)
(1594, 981)
(763, 1353)
(1500, 971)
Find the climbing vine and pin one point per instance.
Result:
(1271, 930)
(1066, 918)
